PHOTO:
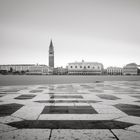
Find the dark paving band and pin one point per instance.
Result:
(64, 93)
(8, 109)
(69, 110)
(133, 110)
(36, 91)
(66, 96)
(107, 97)
(67, 101)
(70, 124)
(25, 96)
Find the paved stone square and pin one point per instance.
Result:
(107, 110)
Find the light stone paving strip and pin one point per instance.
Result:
(91, 97)
(63, 104)
(41, 97)
(29, 112)
(26, 134)
(135, 128)
(110, 110)
(6, 128)
(9, 97)
(126, 135)
(68, 134)
(8, 119)
(130, 119)
(81, 104)
(79, 116)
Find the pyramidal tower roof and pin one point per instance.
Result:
(51, 46)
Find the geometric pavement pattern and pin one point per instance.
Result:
(101, 110)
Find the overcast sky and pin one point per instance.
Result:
(106, 31)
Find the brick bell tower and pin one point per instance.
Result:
(51, 55)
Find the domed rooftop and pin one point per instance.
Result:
(134, 65)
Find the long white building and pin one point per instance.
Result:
(85, 68)
(130, 69)
(16, 67)
(114, 71)
(28, 68)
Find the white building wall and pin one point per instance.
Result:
(85, 68)
(130, 69)
(30, 68)
(114, 71)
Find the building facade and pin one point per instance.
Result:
(130, 69)
(114, 71)
(85, 68)
(38, 69)
(28, 69)
(51, 55)
(60, 71)
(16, 67)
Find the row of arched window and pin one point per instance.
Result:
(84, 67)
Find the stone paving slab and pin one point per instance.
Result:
(132, 119)
(100, 110)
(70, 124)
(67, 134)
(26, 134)
(8, 119)
(80, 117)
(126, 135)
(135, 128)
(6, 128)
(29, 112)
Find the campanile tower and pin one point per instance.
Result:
(51, 55)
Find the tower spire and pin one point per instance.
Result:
(51, 46)
(51, 54)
